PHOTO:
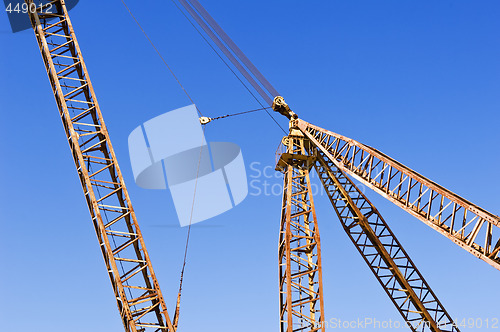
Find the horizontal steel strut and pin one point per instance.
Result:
(138, 296)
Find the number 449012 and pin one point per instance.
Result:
(25, 8)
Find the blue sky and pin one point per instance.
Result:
(418, 80)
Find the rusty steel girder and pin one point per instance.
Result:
(381, 250)
(301, 285)
(138, 296)
(466, 224)
(377, 244)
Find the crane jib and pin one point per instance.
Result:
(466, 224)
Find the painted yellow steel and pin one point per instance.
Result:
(301, 282)
(138, 296)
(466, 224)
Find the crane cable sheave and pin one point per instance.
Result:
(280, 106)
(205, 119)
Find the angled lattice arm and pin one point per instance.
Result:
(383, 253)
(138, 296)
(471, 227)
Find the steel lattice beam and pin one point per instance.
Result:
(366, 228)
(301, 288)
(383, 253)
(139, 299)
(466, 224)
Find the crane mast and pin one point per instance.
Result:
(138, 296)
(333, 156)
(301, 281)
(300, 254)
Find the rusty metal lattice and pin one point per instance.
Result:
(466, 224)
(301, 285)
(136, 289)
(383, 253)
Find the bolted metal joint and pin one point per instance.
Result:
(280, 106)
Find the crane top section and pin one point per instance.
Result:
(280, 106)
(466, 224)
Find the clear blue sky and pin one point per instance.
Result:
(419, 80)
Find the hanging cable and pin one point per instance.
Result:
(227, 65)
(178, 304)
(240, 113)
(205, 119)
(229, 55)
(233, 47)
(177, 309)
(161, 57)
(211, 46)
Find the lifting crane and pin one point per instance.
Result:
(334, 157)
(138, 295)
